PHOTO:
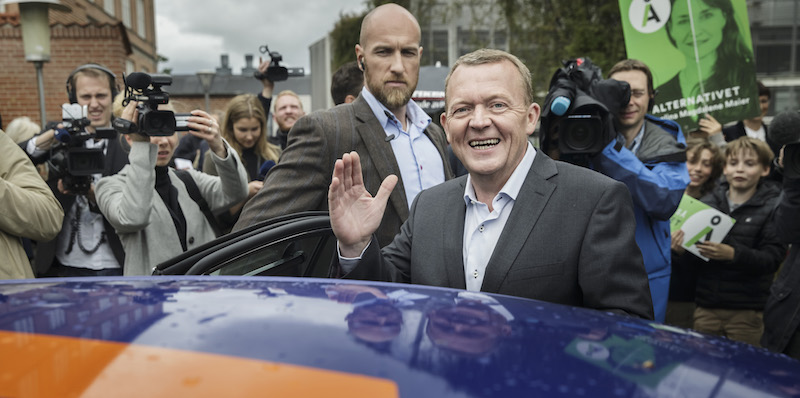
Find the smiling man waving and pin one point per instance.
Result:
(530, 226)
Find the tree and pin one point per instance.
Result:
(546, 32)
(344, 37)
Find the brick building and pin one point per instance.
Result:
(119, 34)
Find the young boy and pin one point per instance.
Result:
(733, 286)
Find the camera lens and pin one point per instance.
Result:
(580, 134)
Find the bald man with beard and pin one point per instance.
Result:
(391, 132)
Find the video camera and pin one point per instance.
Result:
(275, 72)
(70, 160)
(578, 115)
(146, 89)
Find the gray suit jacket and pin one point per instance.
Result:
(569, 240)
(300, 180)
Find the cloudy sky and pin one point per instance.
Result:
(193, 33)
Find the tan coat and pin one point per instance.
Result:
(28, 209)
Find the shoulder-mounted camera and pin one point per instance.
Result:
(577, 119)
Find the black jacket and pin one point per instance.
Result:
(782, 312)
(744, 282)
(116, 158)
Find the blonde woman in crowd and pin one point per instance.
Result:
(244, 126)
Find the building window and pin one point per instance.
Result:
(140, 22)
(126, 13)
(108, 5)
(129, 67)
(773, 58)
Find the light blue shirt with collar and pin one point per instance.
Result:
(482, 228)
(420, 163)
(637, 141)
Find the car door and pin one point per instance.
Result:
(300, 244)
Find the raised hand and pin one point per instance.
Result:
(355, 214)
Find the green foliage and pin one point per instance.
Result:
(344, 38)
(546, 32)
(542, 33)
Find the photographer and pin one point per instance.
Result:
(150, 206)
(609, 130)
(288, 107)
(87, 244)
(648, 155)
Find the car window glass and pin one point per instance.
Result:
(307, 254)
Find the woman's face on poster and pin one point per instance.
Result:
(708, 25)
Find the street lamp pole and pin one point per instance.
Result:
(34, 19)
(206, 77)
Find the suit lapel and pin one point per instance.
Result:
(528, 207)
(381, 154)
(453, 236)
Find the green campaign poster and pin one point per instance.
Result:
(700, 223)
(701, 56)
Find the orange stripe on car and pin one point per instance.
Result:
(34, 365)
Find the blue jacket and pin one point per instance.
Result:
(656, 178)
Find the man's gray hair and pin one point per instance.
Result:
(492, 56)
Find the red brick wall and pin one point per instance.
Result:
(70, 46)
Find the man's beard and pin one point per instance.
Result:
(392, 98)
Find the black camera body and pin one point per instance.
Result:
(275, 72)
(146, 89)
(578, 116)
(69, 159)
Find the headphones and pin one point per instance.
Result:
(361, 62)
(112, 80)
(652, 102)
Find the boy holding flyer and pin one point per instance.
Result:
(733, 286)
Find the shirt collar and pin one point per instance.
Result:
(414, 113)
(514, 184)
(637, 141)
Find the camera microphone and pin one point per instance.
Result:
(138, 80)
(785, 128)
(560, 105)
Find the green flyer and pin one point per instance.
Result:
(700, 223)
(701, 56)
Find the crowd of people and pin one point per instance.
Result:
(525, 223)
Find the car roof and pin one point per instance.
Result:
(237, 336)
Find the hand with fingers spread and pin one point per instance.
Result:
(355, 214)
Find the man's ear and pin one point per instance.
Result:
(443, 122)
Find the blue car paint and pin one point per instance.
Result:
(431, 341)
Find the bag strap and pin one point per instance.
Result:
(194, 193)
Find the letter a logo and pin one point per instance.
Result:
(648, 16)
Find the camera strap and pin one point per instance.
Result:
(194, 193)
(75, 234)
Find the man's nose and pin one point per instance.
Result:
(480, 119)
(397, 63)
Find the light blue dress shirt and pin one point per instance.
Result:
(420, 163)
(482, 228)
